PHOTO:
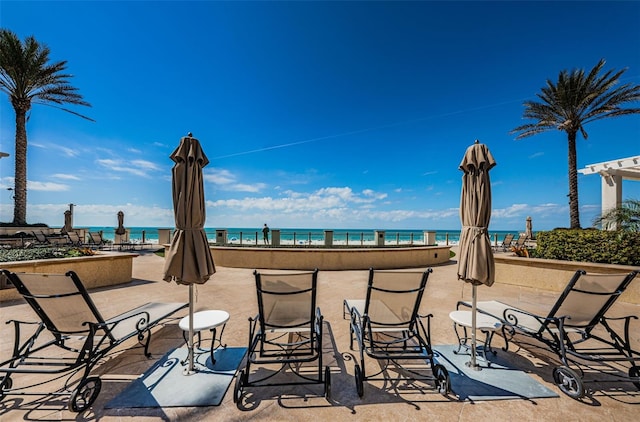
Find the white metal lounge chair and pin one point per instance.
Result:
(387, 326)
(71, 337)
(286, 332)
(576, 328)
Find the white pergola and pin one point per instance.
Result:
(613, 173)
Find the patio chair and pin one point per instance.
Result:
(74, 239)
(387, 326)
(43, 239)
(577, 330)
(71, 336)
(286, 334)
(40, 237)
(96, 240)
(506, 243)
(520, 241)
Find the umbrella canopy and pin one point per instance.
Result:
(120, 229)
(67, 222)
(475, 263)
(189, 259)
(529, 228)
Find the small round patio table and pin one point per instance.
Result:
(485, 323)
(206, 320)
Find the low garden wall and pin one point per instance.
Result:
(329, 259)
(553, 275)
(100, 270)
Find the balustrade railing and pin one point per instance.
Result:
(335, 239)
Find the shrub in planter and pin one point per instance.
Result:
(589, 245)
(7, 255)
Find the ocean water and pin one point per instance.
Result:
(302, 236)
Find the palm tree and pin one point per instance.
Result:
(27, 77)
(625, 217)
(575, 100)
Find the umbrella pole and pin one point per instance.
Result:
(189, 369)
(472, 363)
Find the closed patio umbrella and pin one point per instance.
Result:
(475, 263)
(67, 222)
(189, 259)
(529, 228)
(120, 229)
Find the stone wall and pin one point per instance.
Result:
(100, 270)
(553, 275)
(330, 259)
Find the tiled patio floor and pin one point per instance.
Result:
(233, 290)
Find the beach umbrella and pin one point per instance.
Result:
(475, 262)
(67, 222)
(529, 228)
(189, 259)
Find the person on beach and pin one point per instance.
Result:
(265, 234)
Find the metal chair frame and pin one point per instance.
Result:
(64, 352)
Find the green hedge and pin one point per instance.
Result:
(589, 245)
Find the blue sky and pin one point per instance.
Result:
(314, 114)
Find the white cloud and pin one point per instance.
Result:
(46, 186)
(219, 176)
(144, 164)
(65, 176)
(227, 181)
(240, 187)
(323, 201)
(136, 167)
(69, 152)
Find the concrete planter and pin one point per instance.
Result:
(553, 275)
(100, 270)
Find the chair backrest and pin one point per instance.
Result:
(522, 238)
(96, 237)
(589, 296)
(40, 236)
(507, 240)
(60, 301)
(394, 297)
(74, 238)
(287, 300)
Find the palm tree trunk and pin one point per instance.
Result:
(20, 187)
(574, 210)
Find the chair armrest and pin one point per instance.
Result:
(626, 343)
(318, 322)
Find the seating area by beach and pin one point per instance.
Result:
(234, 291)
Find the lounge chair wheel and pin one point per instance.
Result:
(237, 388)
(568, 381)
(442, 379)
(5, 385)
(359, 376)
(634, 372)
(86, 393)
(327, 382)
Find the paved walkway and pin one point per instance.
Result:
(233, 290)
